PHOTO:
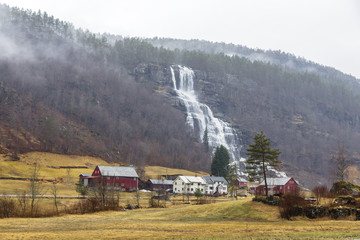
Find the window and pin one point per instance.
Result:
(122, 184)
(183, 183)
(117, 178)
(175, 189)
(192, 183)
(192, 189)
(202, 189)
(211, 188)
(134, 178)
(198, 184)
(108, 178)
(187, 189)
(175, 183)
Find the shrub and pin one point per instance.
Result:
(340, 212)
(291, 205)
(7, 208)
(315, 211)
(271, 200)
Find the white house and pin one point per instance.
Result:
(188, 184)
(215, 185)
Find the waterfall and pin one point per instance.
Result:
(199, 116)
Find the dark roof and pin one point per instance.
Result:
(158, 181)
(211, 179)
(118, 171)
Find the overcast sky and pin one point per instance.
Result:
(323, 31)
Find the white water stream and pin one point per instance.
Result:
(199, 116)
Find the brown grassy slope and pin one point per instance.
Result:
(49, 169)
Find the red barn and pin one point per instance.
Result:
(278, 185)
(123, 178)
(241, 183)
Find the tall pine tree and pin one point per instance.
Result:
(261, 157)
(220, 162)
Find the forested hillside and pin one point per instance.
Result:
(62, 91)
(286, 60)
(67, 90)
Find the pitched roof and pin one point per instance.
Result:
(190, 179)
(85, 175)
(159, 181)
(118, 171)
(211, 179)
(276, 181)
(240, 179)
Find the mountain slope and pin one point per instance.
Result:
(61, 92)
(67, 90)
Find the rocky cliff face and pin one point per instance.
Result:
(206, 84)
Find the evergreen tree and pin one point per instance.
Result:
(206, 140)
(261, 156)
(220, 162)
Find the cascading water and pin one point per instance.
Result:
(200, 117)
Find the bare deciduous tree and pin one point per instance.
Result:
(320, 192)
(55, 194)
(35, 188)
(341, 162)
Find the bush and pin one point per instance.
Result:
(8, 208)
(357, 214)
(315, 211)
(156, 203)
(344, 200)
(345, 188)
(291, 205)
(271, 200)
(340, 212)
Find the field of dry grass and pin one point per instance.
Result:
(240, 219)
(49, 169)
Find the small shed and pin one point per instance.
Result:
(84, 178)
(159, 184)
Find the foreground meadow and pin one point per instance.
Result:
(242, 219)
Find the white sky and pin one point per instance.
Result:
(323, 31)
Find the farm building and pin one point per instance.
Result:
(215, 185)
(159, 184)
(241, 182)
(188, 184)
(84, 178)
(278, 185)
(118, 177)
